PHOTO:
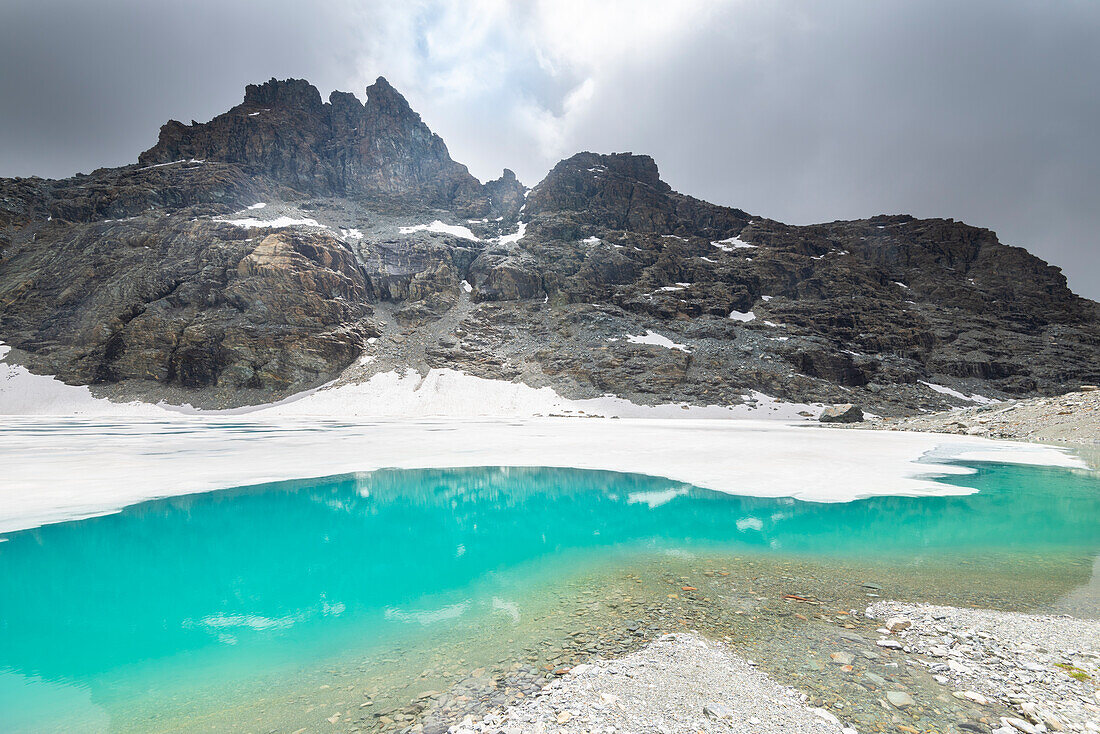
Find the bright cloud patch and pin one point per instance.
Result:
(655, 498)
(750, 523)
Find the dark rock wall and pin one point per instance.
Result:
(127, 274)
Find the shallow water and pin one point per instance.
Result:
(272, 607)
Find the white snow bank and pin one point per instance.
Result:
(170, 163)
(351, 234)
(732, 243)
(439, 227)
(407, 394)
(453, 394)
(260, 205)
(60, 469)
(252, 222)
(742, 315)
(511, 239)
(944, 390)
(23, 393)
(591, 240)
(659, 340)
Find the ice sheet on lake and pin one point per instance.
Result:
(94, 457)
(98, 466)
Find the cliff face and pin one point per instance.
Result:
(267, 250)
(382, 149)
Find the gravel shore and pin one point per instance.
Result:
(678, 683)
(1020, 673)
(1073, 418)
(1045, 668)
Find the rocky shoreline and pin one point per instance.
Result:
(735, 639)
(679, 682)
(1046, 668)
(1018, 673)
(1072, 418)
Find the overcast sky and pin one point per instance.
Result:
(799, 110)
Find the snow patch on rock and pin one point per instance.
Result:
(439, 227)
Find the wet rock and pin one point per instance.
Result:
(875, 679)
(842, 658)
(900, 699)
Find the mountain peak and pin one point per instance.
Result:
(635, 167)
(285, 92)
(625, 191)
(380, 83)
(383, 99)
(343, 147)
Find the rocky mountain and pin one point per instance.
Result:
(291, 241)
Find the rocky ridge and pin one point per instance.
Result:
(270, 249)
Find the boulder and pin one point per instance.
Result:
(845, 413)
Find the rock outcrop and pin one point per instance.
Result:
(263, 252)
(846, 413)
(380, 149)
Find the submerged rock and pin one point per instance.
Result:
(900, 699)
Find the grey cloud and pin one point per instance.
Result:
(801, 111)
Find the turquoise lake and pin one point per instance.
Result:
(180, 607)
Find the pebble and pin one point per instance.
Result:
(717, 711)
(878, 680)
(1021, 725)
(843, 658)
(897, 624)
(900, 699)
(972, 696)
